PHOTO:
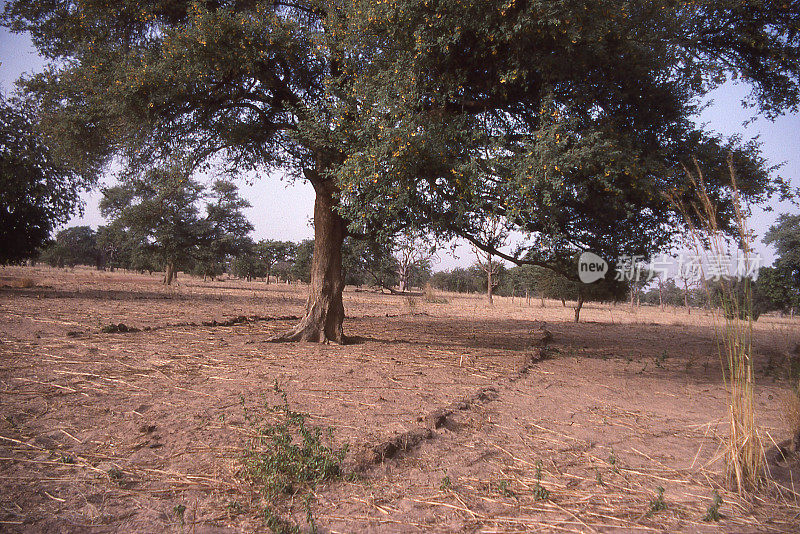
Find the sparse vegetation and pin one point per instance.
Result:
(287, 455)
(657, 504)
(712, 513)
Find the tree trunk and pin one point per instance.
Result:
(402, 273)
(686, 296)
(169, 276)
(578, 307)
(324, 308)
(489, 288)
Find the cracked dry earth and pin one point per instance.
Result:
(144, 431)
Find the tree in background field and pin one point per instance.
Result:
(303, 259)
(38, 191)
(413, 249)
(493, 233)
(73, 246)
(370, 262)
(784, 235)
(774, 291)
(271, 252)
(125, 250)
(159, 208)
(224, 229)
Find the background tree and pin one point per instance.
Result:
(367, 261)
(494, 233)
(773, 291)
(248, 263)
(224, 229)
(73, 246)
(126, 250)
(460, 280)
(413, 248)
(303, 260)
(39, 191)
(271, 252)
(160, 208)
(784, 235)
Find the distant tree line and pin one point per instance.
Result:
(776, 289)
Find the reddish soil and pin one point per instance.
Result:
(117, 432)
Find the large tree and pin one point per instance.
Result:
(565, 117)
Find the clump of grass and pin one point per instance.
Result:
(540, 493)
(503, 487)
(712, 513)
(180, 510)
(733, 324)
(445, 484)
(288, 455)
(431, 296)
(25, 283)
(412, 303)
(657, 504)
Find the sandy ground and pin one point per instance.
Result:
(118, 432)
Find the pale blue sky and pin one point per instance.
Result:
(282, 209)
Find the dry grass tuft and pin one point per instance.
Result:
(733, 325)
(431, 296)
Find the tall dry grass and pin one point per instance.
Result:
(733, 325)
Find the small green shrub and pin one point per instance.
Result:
(288, 455)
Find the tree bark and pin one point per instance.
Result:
(578, 307)
(169, 276)
(489, 297)
(324, 308)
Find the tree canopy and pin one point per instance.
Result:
(568, 118)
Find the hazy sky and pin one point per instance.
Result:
(282, 209)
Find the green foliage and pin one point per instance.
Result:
(160, 209)
(288, 455)
(369, 262)
(272, 252)
(301, 268)
(657, 504)
(540, 493)
(782, 285)
(460, 280)
(568, 119)
(712, 513)
(73, 246)
(155, 220)
(38, 191)
(224, 229)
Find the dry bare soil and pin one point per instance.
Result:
(145, 431)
